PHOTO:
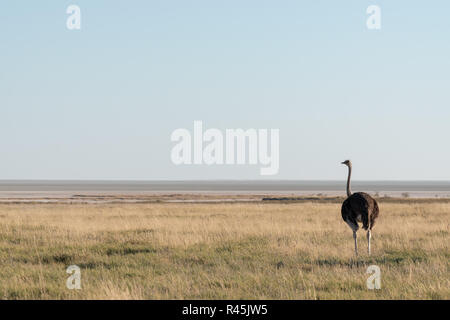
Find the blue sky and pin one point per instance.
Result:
(102, 102)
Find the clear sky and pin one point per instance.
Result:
(102, 102)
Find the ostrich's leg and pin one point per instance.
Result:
(369, 235)
(356, 244)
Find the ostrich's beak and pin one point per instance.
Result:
(342, 162)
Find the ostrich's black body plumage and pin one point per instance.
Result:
(360, 207)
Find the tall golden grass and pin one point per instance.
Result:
(221, 251)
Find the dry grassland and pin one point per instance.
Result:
(221, 251)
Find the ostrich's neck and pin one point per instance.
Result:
(349, 192)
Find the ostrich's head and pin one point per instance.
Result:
(348, 163)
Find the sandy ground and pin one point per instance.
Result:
(182, 196)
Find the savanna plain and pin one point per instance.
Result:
(220, 250)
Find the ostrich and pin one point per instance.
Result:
(359, 207)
